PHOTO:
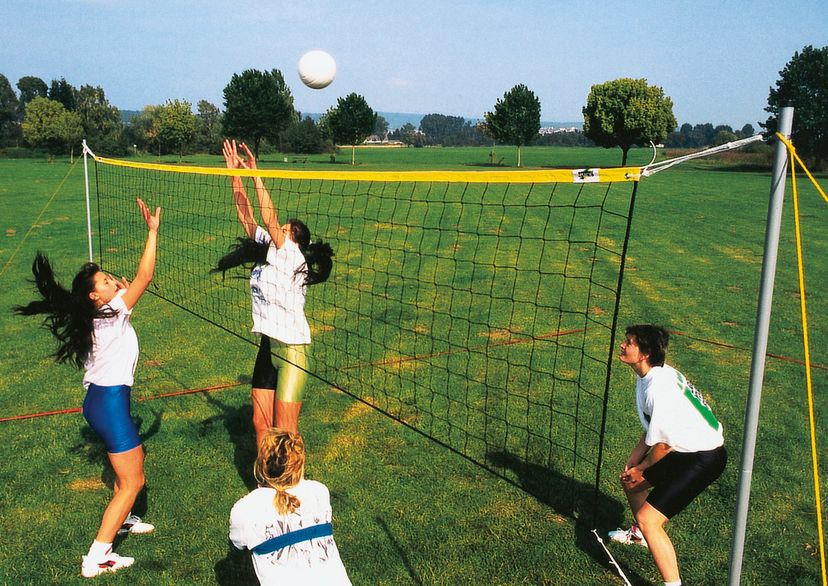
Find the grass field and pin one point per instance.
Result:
(407, 511)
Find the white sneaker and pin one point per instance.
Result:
(112, 562)
(629, 536)
(135, 526)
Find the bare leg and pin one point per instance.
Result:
(264, 405)
(651, 522)
(129, 480)
(287, 415)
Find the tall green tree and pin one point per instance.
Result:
(515, 118)
(102, 126)
(627, 112)
(9, 127)
(30, 87)
(49, 125)
(62, 91)
(177, 126)
(350, 122)
(257, 105)
(803, 83)
(209, 134)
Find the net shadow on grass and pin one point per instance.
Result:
(561, 492)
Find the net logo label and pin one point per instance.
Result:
(586, 176)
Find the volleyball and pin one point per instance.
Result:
(317, 69)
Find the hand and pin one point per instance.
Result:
(251, 160)
(631, 477)
(231, 154)
(152, 220)
(121, 283)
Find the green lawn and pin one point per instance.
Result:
(406, 510)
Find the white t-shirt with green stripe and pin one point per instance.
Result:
(673, 412)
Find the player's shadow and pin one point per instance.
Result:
(572, 499)
(93, 447)
(235, 569)
(237, 421)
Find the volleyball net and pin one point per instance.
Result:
(478, 308)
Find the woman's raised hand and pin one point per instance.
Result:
(251, 160)
(231, 154)
(152, 220)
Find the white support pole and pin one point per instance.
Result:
(86, 152)
(760, 345)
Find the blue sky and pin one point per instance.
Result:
(715, 59)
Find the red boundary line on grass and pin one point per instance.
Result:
(733, 347)
(409, 359)
(139, 399)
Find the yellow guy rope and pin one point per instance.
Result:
(794, 159)
(40, 215)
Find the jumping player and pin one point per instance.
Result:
(285, 263)
(92, 326)
(286, 521)
(680, 453)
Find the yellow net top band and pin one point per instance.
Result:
(596, 175)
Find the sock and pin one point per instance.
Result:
(673, 583)
(99, 550)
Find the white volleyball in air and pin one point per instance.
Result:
(317, 69)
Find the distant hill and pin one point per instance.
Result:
(398, 119)
(395, 119)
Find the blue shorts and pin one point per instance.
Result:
(107, 411)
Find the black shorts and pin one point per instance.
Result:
(265, 375)
(679, 477)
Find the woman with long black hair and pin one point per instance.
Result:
(91, 323)
(285, 263)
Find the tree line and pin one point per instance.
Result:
(258, 108)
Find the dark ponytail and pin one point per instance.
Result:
(318, 262)
(318, 255)
(245, 251)
(69, 315)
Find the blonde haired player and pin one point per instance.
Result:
(286, 521)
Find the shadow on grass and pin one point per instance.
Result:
(237, 422)
(235, 568)
(574, 500)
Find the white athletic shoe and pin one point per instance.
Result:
(629, 536)
(112, 562)
(135, 526)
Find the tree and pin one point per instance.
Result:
(209, 127)
(142, 130)
(49, 125)
(101, 120)
(515, 119)
(62, 91)
(177, 125)
(407, 134)
(350, 122)
(257, 105)
(30, 87)
(802, 84)
(9, 128)
(381, 127)
(304, 137)
(627, 112)
(441, 129)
